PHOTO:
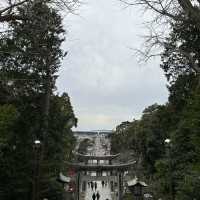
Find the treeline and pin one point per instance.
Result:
(30, 109)
(83, 146)
(172, 171)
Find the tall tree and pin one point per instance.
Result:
(184, 36)
(30, 59)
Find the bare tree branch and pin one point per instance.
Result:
(11, 6)
(10, 17)
(8, 12)
(177, 10)
(167, 11)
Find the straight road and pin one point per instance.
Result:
(104, 191)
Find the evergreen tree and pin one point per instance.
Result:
(30, 59)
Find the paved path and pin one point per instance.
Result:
(105, 192)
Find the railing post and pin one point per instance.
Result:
(120, 185)
(78, 186)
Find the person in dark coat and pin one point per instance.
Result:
(93, 196)
(102, 182)
(105, 183)
(98, 195)
(92, 185)
(95, 186)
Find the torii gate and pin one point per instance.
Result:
(115, 172)
(88, 158)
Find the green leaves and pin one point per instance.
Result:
(178, 120)
(30, 57)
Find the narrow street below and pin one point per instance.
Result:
(104, 191)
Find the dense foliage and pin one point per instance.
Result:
(30, 57)
(83, 146)
(172, 170)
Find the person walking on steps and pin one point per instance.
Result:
(92, 185)
(102, 183)
(105, 183)
(93, 196)
(98, 195)
(95, 186)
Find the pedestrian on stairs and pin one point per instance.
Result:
(105, 183)
(95, 186)
(102, 183)
(92, 185)
(93, 196)
(98, 195)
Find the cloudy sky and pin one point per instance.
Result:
(101, 73)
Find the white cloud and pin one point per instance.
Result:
(101, 74)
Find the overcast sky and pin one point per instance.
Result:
(101, 73)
